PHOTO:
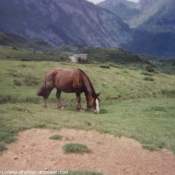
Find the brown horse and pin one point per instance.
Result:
(70, 81)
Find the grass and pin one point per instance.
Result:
(159, 108)
(76, 148)
(56, 137)
(7, 134)
(130, 107)
(2, 147)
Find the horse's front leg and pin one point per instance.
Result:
(44, 102)
(79, 108)
(58, 94)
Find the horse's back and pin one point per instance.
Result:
(66, 80)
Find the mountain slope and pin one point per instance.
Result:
(63, 22)
(153, 27)
(155, 15)
(155, 31)
(122, 8)
(159, 17)
(149, 15)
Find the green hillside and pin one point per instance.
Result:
(18, 53)
(8, 39)
(115, 55)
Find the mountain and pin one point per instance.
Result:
(146, 14)
(122, 8)
(153, 26)
(156, 15)
(63, 22)
(146, 27)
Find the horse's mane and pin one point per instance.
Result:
(90, 83)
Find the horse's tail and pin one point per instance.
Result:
(42, 90)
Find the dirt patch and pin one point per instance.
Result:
(110, 155)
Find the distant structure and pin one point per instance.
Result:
(78, 57)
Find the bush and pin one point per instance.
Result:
(115, 65)
(148, 79)
(105, 66)
(16, 83)
(146, 73)
(168, 93)
(149, 68)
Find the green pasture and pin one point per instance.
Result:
(131, 105)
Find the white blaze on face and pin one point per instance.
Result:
(97, 105)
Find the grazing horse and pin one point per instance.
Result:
(70, 81)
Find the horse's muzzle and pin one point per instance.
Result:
(96, 112)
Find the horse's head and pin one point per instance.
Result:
(94, 102)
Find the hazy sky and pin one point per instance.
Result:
(96, 1)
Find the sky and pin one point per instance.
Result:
(97, 1)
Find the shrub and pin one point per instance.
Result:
(148, 79)
(6, 99)
(16, 83)
(146, 73)
(115, 65)
(25, 59)
(168, 93)
(40, 125)
(149, 68)
(105, 66)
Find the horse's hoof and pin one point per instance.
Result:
(81, 110)
(62, 108)
(44, 106)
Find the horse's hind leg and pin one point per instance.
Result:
(58, 94)
(45, 97)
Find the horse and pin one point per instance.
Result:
(70, 81)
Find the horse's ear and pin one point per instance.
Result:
(98, 94)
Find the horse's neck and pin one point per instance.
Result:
(89, 87)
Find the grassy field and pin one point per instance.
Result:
(131, 105)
